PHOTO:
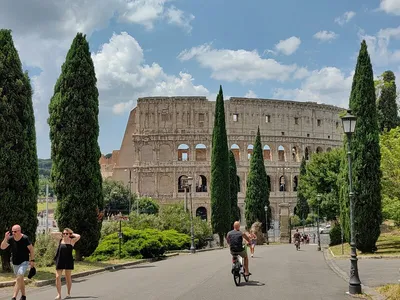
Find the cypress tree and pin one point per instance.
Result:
(74, 130)
(234, 188)
(302, 209)
(19, 175)
(387, 105)
(366, 158)
(220, 200)
(257, 192)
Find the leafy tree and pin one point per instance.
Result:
(257, 192)
(18, 164)
(302, 208)
(74, 130)
(366, 158)
(220, 200)
(390, 166)
(321, 178)
(116, 197)
(234, 189)
(146, 206)
(387, 105)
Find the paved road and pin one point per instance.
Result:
(279, 272)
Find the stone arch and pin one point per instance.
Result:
(236, 151)
(329, 149)
(295, 183)
(307, 153)
(282, 183)
(146, 153)
(295, 154)
(281, 153)
(202, 213)
(319, 150)
(201, 152)
(267, 153)
(181, 189)
(250, 148)
(201, 184)
(183, 152)
(165, 153)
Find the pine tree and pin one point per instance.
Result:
(257, 192)
(220, 200)
(302, 209)
(19, 175)
(387, 105)
(366, 158)
(234, 189)
(74, 130)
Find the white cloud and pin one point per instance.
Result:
(123, 76)
(301, 73)
(288, 46)
(328, 85)
(378, 46)
(325, 35)
(251, 94)
(237, 65)
(178, 17)
(390, 6)
(345, 18)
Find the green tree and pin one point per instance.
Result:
(18, 164)
(387, 105)
(146, 206)
(234, 188)
(257, 192)
(321, 178)
(74, 130)
(220, 199)
(302, 208)
(390, 166)
(366, 158)
(116, 197)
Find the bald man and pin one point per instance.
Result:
(234, 239)
(21, 249)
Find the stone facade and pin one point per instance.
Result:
(168, 137)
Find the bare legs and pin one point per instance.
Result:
(252, 247)
(19, 286)
(246, 266)
(58, 283)
(68, 279)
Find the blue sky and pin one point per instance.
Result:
(288, 49)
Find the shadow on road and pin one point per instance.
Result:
(83, 297)
(252, 283)
(140, 267)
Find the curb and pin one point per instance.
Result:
(41, 283)
(366, 256)
(334, 267)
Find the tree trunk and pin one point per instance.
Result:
(221, 240)
(5, 260)
(78, 255)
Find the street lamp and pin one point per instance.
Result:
(130, 193)
(349, 126)
(266, 222)
(188, 185)
(318, 233)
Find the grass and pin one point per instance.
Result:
(44, 273)
(388, 244)
(390, 291)
(42, 206)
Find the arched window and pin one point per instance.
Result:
(183, 152)
(236, 151)
(295, 154)
(267, 153)
(281, 153)
(249, 151)
(328, 149)
(202, 213)
(201, 184)
(201, 152)
(307, 153)
(181, 188)
(319, 150)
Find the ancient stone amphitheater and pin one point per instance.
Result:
(169, 137)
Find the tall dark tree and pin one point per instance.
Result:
(220, 200)
(366, 158)
(257, 192)
(74, 130)
(234, 188)
(387, 105)
(302, 209)
(19, 175)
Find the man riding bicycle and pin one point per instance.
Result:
(234, 239)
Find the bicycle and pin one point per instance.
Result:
(237, 269)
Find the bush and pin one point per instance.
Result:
(148, 243)
(45, 250)
(335, 235)
(146, 206)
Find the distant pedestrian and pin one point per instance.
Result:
(64, 259)
(253, 238)
(21, 251)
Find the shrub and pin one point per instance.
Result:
(45, 250)
(143, 221)
(146, 206)
(335, 235)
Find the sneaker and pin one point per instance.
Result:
(13, 298)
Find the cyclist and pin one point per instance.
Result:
(234, 239)
(297, 237)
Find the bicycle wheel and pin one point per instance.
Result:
(236, 278)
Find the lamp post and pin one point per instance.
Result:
(266, 222)
(192, 247)
(349, 126)
(318, 233)
(130, 192)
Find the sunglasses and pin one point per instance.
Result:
(14, 231)
(66, 233)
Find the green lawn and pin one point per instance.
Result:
(42, 206)
(388, 244)
(390, 291)
(80, 266)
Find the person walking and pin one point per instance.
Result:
(23, 255)
(64, 259)
(253, 238)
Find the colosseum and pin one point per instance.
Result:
(169, 137)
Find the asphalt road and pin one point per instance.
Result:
(279, 272)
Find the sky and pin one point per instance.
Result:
(288, 49)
